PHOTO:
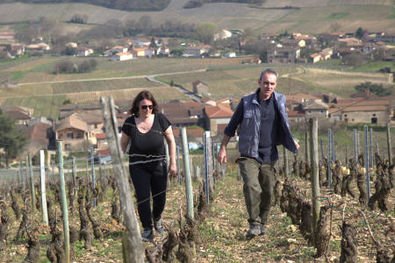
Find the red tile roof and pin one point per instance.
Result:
(191, 132)
(101, 136)
(73, 121)
(104, 152)
(219, 111)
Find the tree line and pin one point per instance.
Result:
(198, 3)
(71, 67)
(129, 5)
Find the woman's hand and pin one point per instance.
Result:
(172, 170)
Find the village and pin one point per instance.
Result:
(80, 126)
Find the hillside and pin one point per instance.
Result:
(130, 5)
(44, 91)
(313, 16)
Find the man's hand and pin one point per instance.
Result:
(222, 155)
(296, 143)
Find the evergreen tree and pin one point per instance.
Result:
(12, 139)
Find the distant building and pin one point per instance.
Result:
(216, 118)
(283, 55)
(182, 114)
(122, 56)
(199, 88)
(74, 133)
(84, 52)
(194, 51)
(223, 34)
(22, 115)
(315, 108)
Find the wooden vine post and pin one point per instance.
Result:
(315, 181)
(92, 158)
(329, 171)
(389, 142)
(367, 162)
(133, 250)
(355, 146)
(43, 190)
(187, 173)
(31, 176)
(64, 204)
(285, 156)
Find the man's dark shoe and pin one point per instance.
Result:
(255, 230)
(263, 230)
(147, 235)
(158, 226)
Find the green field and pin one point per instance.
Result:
(39, 88)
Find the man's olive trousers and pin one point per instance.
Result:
(258, 188)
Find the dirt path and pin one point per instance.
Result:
(223, 232)
(149, 77)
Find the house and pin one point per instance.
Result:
(295, 116)
(314, 58)
(94, 120)
(223, 34)
(370, 110)
(90, 114)
(114, 50)
(101, 141)
(122, 56)
(194, 51)
(71, 45)
(142, 42)
(22, 115)
(144, 52)
(163, 51)
(194, 134)
(230, 55)
(140, 52)
(17, 49)
(310, 42)
(40, 136)
(283, 55)
(374, 114)
(315, 108)
(349, 42)
(149, 52)
(74, 133)
(324, 55)
(84, 52)
(216, 118)
(385, 37)
(199, 88)
(38, 47)
(288, 42)
(182, 114)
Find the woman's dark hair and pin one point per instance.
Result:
(145, 94)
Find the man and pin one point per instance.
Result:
(263, 123)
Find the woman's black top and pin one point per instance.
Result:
(146, 146)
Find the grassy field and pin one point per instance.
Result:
(123, 80)
(314, 16)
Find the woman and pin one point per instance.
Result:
(147, 162)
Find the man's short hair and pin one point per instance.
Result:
(268, 70)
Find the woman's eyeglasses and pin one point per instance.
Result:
(144, 107)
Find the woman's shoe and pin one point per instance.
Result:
(158, 226)
(147, 235)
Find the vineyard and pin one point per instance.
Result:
(84, 196)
